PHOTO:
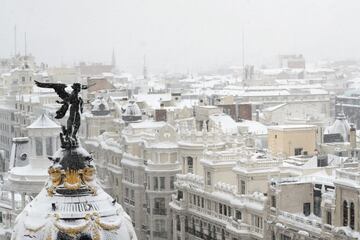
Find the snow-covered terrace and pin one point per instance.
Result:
(348, 176)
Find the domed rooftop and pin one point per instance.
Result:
(72, 205)
(43, 122)
(131, 112)
(340, 126)
(100, 107)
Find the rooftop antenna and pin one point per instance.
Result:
(243, 48)
(243, 54)
(25, 46)
(15, 50)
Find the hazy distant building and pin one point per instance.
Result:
(95, 69)
(292, 61)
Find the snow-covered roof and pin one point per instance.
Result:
(254, 127)
(43, 122)
(153, 100)
(291, 127)
(227, 124)
(147, 124)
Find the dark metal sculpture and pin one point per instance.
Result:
(68, 136)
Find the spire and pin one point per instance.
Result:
(145, 72)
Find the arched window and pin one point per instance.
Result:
(345, 213)
(352, 215)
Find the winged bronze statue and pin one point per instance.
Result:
(72, 100)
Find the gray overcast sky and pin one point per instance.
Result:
(180, 35)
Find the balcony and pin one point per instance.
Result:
(159, 211)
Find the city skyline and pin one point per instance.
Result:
(180, 36)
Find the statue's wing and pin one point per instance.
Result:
(87, 86)
(58, 87)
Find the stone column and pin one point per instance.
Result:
(182, 227)
(22, 200)
(13, 200)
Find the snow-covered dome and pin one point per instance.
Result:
(72, 205)
(100, 107)
(131, 112)
(43, 122)
(340, 126)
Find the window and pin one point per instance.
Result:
(160, 225)
(306, 209)
(345, 213)
(237, 214)
(162, 183)
(208, 178)
(273, 235)
(298, 151)
(273, 201)
(208, 202)
(156, 183)
(190, 163)
(180, 195)
(126, 173)
(127, 192)
(257, 221)
(49, 146)
(328, 217)
(172, 180)
(352, 216)
(242, 187)
(132, 176)
(132, 196)
(284, 237)
(38, 146)
(159, 206)
(317, 200)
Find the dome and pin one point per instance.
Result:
(100, 107)
(43, 122)
(131, 112)
(340, 126)
(72, 205)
